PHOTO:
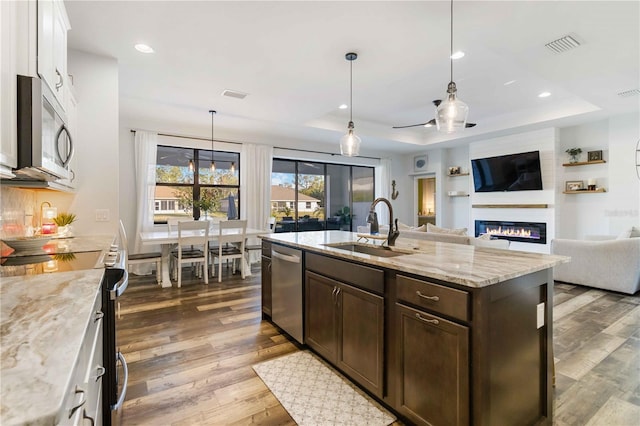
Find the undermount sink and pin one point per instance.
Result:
(365, 249)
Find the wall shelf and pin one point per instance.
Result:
(457, 195)
(510, 206)
(583, 163)
(586, 191)
(457, 174)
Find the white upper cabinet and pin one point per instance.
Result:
(53, 25)
(8, 85)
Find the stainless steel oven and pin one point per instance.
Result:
(114, 385)
(45, 147)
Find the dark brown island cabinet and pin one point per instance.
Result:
(434, 352)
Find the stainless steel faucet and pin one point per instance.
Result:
(373, 220)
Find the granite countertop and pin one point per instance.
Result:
(43, 319)
(456, 263)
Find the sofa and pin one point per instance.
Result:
(445, 235)
(609, 264)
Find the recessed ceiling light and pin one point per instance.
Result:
(544, 95)
(141, 47)
(343, 106)
(457, 55)
(509, 82)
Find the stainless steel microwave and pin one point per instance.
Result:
(45, 147)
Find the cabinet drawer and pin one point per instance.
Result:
(351, 273)
(435, 297)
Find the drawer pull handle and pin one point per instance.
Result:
(99, 316)
(430, 321)
(80, 404)
(100, 372)
(84, 416)
(424, 296)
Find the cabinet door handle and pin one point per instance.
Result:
(60, 80)
(98, 316)
(430, 321)
(80, 404)
(84, 416)
(424, 296)
(100, 370)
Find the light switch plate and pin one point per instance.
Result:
(540, 316)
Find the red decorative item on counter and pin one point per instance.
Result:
(49, 228)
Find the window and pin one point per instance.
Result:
(181, 192)
(299, 195)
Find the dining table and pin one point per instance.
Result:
(167, 239)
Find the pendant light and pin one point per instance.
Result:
(191, 165)
(213, 163)
(233, 167)
(451, 114)
(350, 142)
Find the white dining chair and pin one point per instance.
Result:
(140, 258)
(193, 248)
(231, 244)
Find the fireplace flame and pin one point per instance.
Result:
(509, 232)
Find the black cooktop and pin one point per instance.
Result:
(43, 263)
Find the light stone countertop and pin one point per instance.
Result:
(456, 263)
(43, 319)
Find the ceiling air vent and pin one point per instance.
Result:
(234, 94)
(563, 44)
(629, 93)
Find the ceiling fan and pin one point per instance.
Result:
(432, 122)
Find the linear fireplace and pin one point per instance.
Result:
(524, 232)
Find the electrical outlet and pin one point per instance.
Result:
(102, 215)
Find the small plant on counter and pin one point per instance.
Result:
(64, 219)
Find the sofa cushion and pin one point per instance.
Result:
(458, 231)
(632, 232)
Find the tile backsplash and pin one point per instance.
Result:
(18, 211)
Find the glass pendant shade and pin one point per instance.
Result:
(213, 166)
(451, 114)
(350, 143)
(191, 166)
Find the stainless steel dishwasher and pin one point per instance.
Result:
(286, 290)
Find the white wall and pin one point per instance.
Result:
(96, 145)
(618, 208)
(456, 210)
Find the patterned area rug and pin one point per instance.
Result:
(315, 394)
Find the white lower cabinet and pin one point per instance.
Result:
(83, 402)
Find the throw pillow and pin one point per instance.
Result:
(632, 232)
(457, 231)
(486, 237)
(404, 226)
(421, 228)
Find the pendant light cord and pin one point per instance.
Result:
(451, 46)
(213, 112)
(351, 90)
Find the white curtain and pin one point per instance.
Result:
(383, 189)
(255, 191)
(145, 148)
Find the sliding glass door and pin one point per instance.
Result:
(312, 196)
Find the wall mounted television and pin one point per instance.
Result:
(513, 172)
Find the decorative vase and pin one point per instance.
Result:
(573, 158)
(65, 231)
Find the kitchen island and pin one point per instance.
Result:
(440, 333)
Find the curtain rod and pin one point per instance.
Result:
(240, 143)
(191, 137)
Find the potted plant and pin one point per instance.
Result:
(64, 221)
(573, 153)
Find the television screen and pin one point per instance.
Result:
(514, 172)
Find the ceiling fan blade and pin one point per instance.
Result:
(470, 125)
(411, 125)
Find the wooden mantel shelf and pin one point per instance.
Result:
(584, 191)
(510, 206)
(584, 163)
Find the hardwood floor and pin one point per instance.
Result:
(190, 352)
